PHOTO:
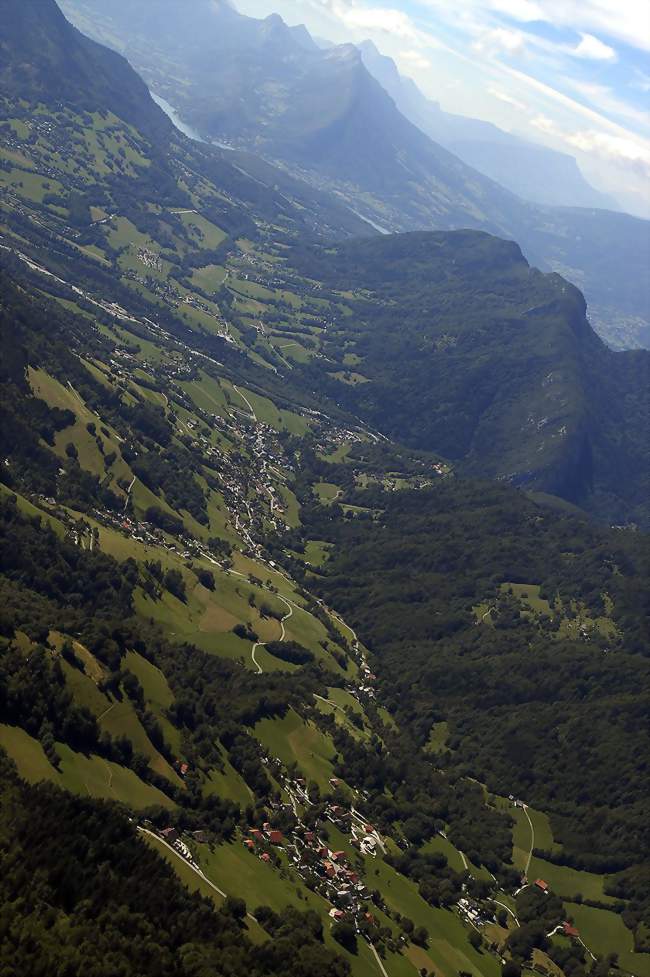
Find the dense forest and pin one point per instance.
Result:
(547, 704)
(467, 351)
(82, 894)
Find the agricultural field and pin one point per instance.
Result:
(86, 775)
(326, 492)
(448, 946)
(605, 932)
(228, 783)
(158, 695)
(242, 874)
(292, 740)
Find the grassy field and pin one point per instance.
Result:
(605, 932)
(337, 702)
(449, 948)
(86, 775)
(27, 753)
(158, 695)
(291, 739)
(267, 412)
(574, 615)
(187, 875)
(290, 506)
(228, 784)
(339, 455)
(445, 847)
(344, 699)
(530, 594)
(317, 552)
(522, 836)
(120, 719)
(102, 778)
(29, 509)
(207, 394)
(84, 690)
(209, 278)
(326, 492)
(240, 873)
(568, 882)
(203, 232)
(90, 457)
(437, 738)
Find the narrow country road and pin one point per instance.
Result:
(329, 702)
(106, 711)
(380, 962)
(246, 401)
(507, 909)
(128, 493)
(532, 839)
(283, 634)
(194, 867)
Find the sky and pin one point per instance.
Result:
(571, 74)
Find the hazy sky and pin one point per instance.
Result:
(573, 74)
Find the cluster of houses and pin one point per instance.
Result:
(173, 839)
(365, 684)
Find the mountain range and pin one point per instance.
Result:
(528, 169)
(260, 85)
(317, 644)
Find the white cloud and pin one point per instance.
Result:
(622, 150)
(594, 50)
(624, 20)
(508, 99)
(385, 19)
(500, 40)
(414, 59)
(544, 124)
(616, 148)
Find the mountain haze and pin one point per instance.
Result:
(322, 115)
(528, 169)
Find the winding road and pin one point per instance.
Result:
(283, 634)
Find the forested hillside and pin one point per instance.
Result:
(281, 692)
(461, 348)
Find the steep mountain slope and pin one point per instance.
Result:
(528, 169)
(42, 58)
(322, 115)
(464, 349)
